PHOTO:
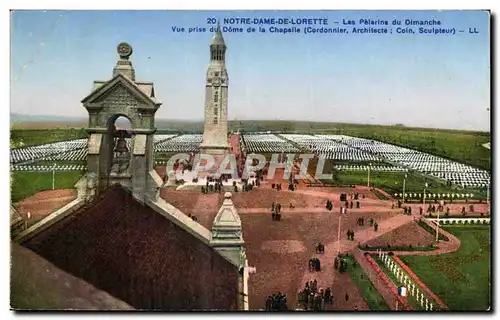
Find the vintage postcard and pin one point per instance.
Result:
(250, 160)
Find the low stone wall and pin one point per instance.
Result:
(181, 219)
(50, 220)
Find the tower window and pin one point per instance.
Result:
(216, 73)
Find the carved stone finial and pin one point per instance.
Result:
(228, 195)
(124, 65)
(124, 50)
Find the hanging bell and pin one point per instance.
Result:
(121, 145)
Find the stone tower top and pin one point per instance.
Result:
(124, 66)
(218, 39)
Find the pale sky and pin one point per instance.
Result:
(416, 80)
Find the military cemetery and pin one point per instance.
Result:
(243, 215)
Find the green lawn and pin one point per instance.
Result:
(397, 248)
(461, 279)
(372, 297)
(461, 146)
(26, 184)
(42, 136)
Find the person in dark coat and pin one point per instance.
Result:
(269, 303)
(328, 295)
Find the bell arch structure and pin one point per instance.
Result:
(122, 96)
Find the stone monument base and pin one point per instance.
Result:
(214, 150)
(226, 186)
(202, 181)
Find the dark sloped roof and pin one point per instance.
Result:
(139, 256)
(37, 284)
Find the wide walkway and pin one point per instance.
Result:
(327, 275)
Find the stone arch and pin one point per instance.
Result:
(111, 119)
(108, 156)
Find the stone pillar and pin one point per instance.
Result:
(227, 239)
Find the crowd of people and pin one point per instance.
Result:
(276, 302)
(433, 208)
(360, 221)
(320, 248)
(314, 264)
(314, 298)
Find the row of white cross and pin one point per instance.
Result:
(337, 147)
(182, 143)
(413, 289)
(330, 149)
(30, 153)
(420, 161)
(31, 168)
(435, 195)
(268, 143)
(372, 168)
(341, 147)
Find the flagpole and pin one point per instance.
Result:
(404, 185)
(424, 194)
(488, 197)
(369, 166)
(338, 241)
(54, 177)
(437, 228)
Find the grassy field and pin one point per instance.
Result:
(372, 297)
(392, 182)
(461, 279)
(432, 230)
(461, 146)
(42, 136)
(26, 184)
